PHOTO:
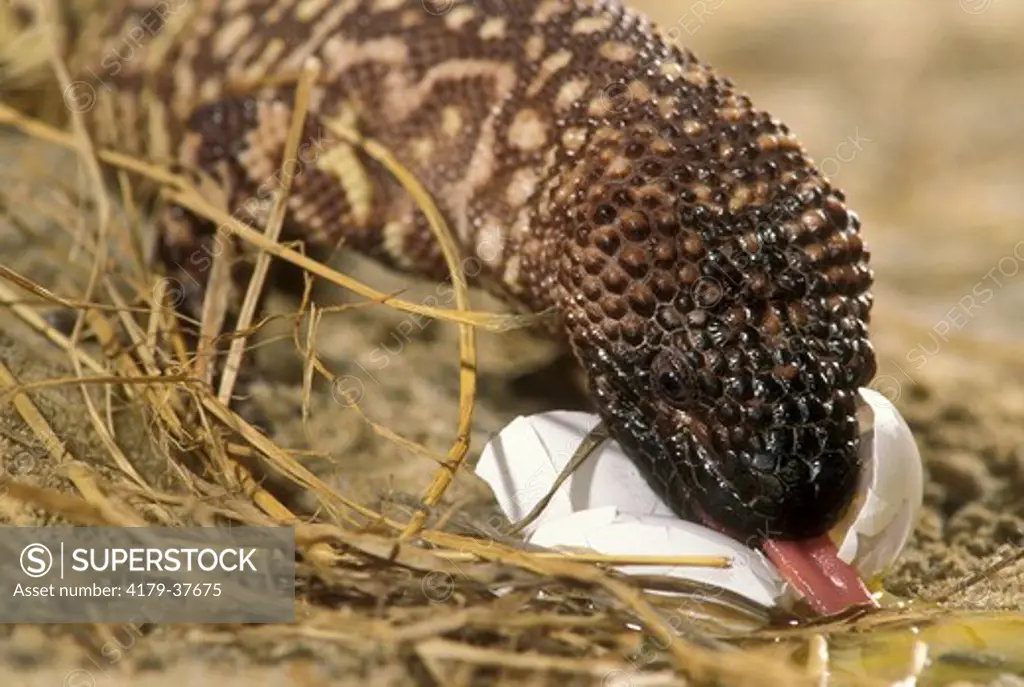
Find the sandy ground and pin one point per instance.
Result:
(914, 108)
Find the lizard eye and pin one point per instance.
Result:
(672, 377)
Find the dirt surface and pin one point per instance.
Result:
(914, 108)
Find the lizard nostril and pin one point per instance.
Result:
(672, 385)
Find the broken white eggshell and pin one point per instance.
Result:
(608, 530)
(889, 494)
(608, 507)
(523, 461)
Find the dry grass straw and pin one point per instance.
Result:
(499, 607)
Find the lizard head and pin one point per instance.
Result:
(716, 290)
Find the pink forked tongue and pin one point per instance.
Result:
(814, 568)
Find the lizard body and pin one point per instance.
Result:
(710, 280)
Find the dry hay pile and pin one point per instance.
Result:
(116, 425)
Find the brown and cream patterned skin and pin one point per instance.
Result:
(711, 282)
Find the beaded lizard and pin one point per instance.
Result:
(712, 283)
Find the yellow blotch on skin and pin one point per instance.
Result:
(672, 70)
(574, 138)
(512, 273)
(411, 18)
(547, 10)
(459, 17)
(342, 161)
(231, 35)
(588, 25)
(451, 121)
(521, 187)
(396, 236)
(548, 68)
(639, 91)
(767, 142)
(570, 92)
(387, 5)
(490, 241)
(307, 10)
(210, 89)
(668, 107)
(422, 150)
(528, 131)
(619, 167)
(494, 27)
(534, 47)
(740, 198)
(694, 127)
(617, 51)
(600, 106)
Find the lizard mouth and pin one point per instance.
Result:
(809, 561)
(811, 566)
